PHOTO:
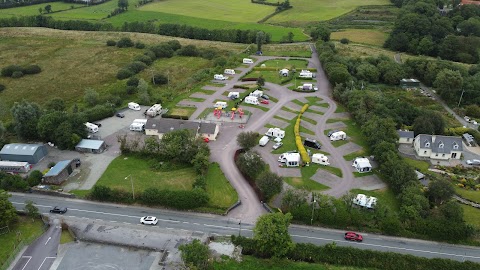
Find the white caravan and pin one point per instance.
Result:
(92, 128)
(337, 136)
(320, 159)
(306, 74)
(134, 106)
(252, 100)
(247, 61)
(257, 93)
(276, 133)
(233, 95)
(229, 71)
(290, 159)
(263, 141)
(220, 77)
(140, 121)
(154, 110)
(284, 72)
(137, 127)
(220, 104)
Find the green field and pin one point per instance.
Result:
(365, 36)
(471, 195)
(420, 165)
(34, 9)
(305, 182)
(220, 192)
(384, 196)
(471, 215)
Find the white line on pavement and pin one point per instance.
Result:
(48, 240)
(44, 261)
(29, 258)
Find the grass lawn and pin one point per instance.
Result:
(385, 196)
(420, 165)
(313, 111)
(143, 176)
(472, 195)
(289, 110)
(207, 92)
(66, 237)
(33, 9)
(221, 193)
(283, 63)
(273, 75)
(305, 182)
(196, 99)
(354, 133)
(262, 107)
(80, 193)
(334, 170)
(29, 231)
(353, 155)
(91, 13)
(186, 111)
(339, 143)
(366, 36)
(471, 215)
(293, 50)
(309, 120)
(340, 108)
(298, 102)
(252, 263)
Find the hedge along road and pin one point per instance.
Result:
(251, 209)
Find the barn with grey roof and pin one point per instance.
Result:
(31, 153)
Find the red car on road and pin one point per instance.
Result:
(264, 101)
(351, 236)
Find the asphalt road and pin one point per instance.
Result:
(217, 225)
(41, 254)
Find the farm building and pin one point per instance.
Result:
(15, 166)
(438, 147)
(405, 136)
(409, 83)
(31, 153)
(91, 146)
(159, 127)
(60, 172)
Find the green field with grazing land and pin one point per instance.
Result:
(33, 10)
(365, 36)
(384, 196)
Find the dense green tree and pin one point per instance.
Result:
(429, 122)
(2, 130)
(123, 4)
(449, 84)
(269, 184)
(35, 178)
(261, 81)
(368, 72)
(55, 104)
(7, 211)
(48, 8)
(260, 40)
(195, 254)
(31, 209)
(90, 97)
(271, 235)
(65, 137)
(48, 123)
(440, 191)
(320, 32)
(26, 116)
(251, 164)
(247, 140)
(379, 129)
(189, 50)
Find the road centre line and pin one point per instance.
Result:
(389, 247)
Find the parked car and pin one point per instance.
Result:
(277, 145)
(149, 220)
(121, 115)
(473, 162)
(77, 162)
(264, 101)
(351, 236)
(58, 210)
(331, 132)
(265, 97)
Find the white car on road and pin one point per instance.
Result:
(149, 220)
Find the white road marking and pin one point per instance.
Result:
(196, 224)
(169, 228)
(389, 247)
(45, 260)
(29, 258)
(185, 222)
(48, 240)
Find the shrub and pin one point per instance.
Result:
(150, 54)
(9, 70)
(111, 43)
(100, 193)
(98, 112)
(344, 41)
(51, 164)
(131, 90)
(133, 81)
(139, 45)
(144, 59)
(174, 44)
(136, 66)
(17, 74)
(162, 51)
(2, 87)
(124, 73)
(34, 178)
(189, 50)
(125, 42)
(200, 182)
(160, 79)
(179, 199)
(32, 69)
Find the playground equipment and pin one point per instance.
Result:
(217, 112)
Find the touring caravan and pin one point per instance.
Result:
(154, 110)
(320, 159)
(229, 71)
(15, 166)
(247, 61)
(251, 100)
(306, 74)
(339, 135)
(233, 95)
(140, 121)
(137, 127)
(263, 141)
(220, 77)
(276, 133)
(220, 104)
(134, 106)
(290, 159)
(362, 165)
(92, 128)
(257, 93)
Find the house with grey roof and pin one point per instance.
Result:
(438, 146)
(405, 136)
(31, 153)
(161, 126)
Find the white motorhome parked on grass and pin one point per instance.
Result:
(229, 71)
(339, 135)
(320, 159)
(251, 100)
(276, 133)
(137, 127)
(307, 74)
(134, 106)
(290, 159)
(220, 77)
(220, 104)
(154, 110)
(263, 141)
(92, 128)
(247, 61)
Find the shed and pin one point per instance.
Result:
(91, 146)
(409, 83)
(59, 173)
(31, 153)
(405, 136)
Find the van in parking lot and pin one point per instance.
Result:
(137, 127)
(92, 128)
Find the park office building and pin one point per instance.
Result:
(31, 153)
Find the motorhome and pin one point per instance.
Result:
(220, 104)
(275, 133)
(306, 74)
(134, 106)
(247, 61)
(15, 166)
(137, 127)
(154, 110)
(263, 141)
(320, 159)
(220, 77)
(92, 128)
(140, 121)
(337, 136)
(251, 100)
(257, 93)
(233, 95)
(229, 71)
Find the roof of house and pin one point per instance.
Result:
(207, 128)
(90, 144)
(55, 170)
(410, 80)
(165, 125)
(420, 175)
(440, 144)
(13, 163)
(405, 134)
(20, 149)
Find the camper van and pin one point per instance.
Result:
(257, 93)
(312, 143)
(320, 159)
(247, 61)
(339, 135)
(306, 74)
(134, 106)
(92, 128)
(220, 104)
(229, 71)
(154, 110)
(137, 127)
(220, 77)
(276, 133)
(251, 100)
(233, 95)
(263, 141)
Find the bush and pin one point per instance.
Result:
(51, 164)
(131, 90)
(160, 79)
(111, 43)
(139, 45)
(17, 74)
(133, 81)
(344, 41)
(125, 42)
(136, 66)
(162, 51)
(150, 54)
(179, 199)
(9, 70)
(175, 116)
(200, 182)
(98, 112)
(144, 59)
(174, 44)
(124, 73)
(100, 193)
(2, 87)
(32, 69)
(34, 178)
(189, 50)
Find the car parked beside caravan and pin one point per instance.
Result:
(134, 106)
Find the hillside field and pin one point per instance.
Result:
(364, 36)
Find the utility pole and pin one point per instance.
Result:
(463, 90)
(131, 181)
(313, 208)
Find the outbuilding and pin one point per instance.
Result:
(91, 146)
(60, 172)
(405, 136)
(31, 153)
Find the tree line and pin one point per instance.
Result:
(421, 29)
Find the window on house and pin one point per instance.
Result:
(427, 144)
(455, 146)
(441, 145)
(425, 152)
(443, 155)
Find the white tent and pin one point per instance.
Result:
(362, 165)
(284, 72)
(365, 201)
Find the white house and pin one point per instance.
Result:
(362, 165)
(405, 136)
(284, 72)
(365, 201)
(438, 146)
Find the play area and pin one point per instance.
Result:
(235, 115)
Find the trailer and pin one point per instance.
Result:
(276, 133)
(229, 71)
(134, 106)
(233, 95)
(140, 121)
(220, 77)
(247, 61)
(15, 166)
(320, 159)
(263, 141)
(337, 136)
(155, 110)
(92, 128)
(251, 100)
(257, 93)
(306, 74)
(137, 127)
(290, 159)
(220, 104)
